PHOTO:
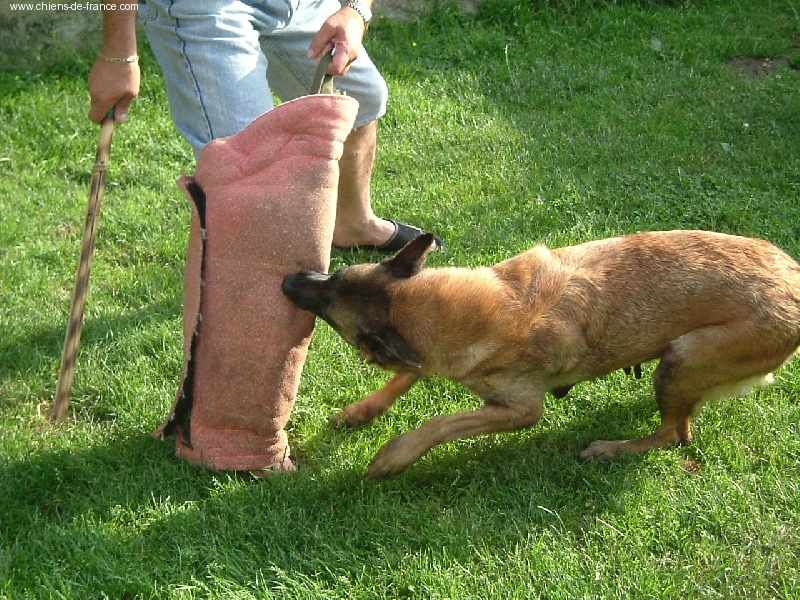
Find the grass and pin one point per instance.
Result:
(559, 122)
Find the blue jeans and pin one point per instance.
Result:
(224, 59)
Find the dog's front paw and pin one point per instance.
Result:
(359, 413)
(394, 458)
(350, 417)
(601, 450)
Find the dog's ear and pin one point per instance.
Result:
(410, 260)
(395, 347)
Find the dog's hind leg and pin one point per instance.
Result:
(494, 417)
(705, 364)
(378, 402)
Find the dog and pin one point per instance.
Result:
(719, 312)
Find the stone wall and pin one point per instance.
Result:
(408, 9)
(31, 39)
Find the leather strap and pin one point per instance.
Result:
(323, 83)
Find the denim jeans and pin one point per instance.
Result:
(223, 60)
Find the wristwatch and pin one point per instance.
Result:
(361, 8)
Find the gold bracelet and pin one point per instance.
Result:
(111, 59)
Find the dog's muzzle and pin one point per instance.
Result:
(303, 289)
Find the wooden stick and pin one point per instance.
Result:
(72, 340)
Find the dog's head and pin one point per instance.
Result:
(355, 302)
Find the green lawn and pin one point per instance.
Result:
(532, 122)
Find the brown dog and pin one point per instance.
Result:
(720, 312)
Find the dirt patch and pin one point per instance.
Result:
(756, 66)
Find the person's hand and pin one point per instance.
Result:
(115, 77)
(342, 33)
(113, 85)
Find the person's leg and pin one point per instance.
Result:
(290, 75)
(356, 223)
(214, 69)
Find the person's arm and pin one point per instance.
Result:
(115, 76)
(343, 32)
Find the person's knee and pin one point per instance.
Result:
(372, 105)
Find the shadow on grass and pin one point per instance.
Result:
(43, 345)
(127, 513)
(110, 347)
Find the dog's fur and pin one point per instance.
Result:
(720, 312)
